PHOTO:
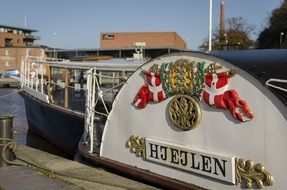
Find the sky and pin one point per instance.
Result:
(72, 24)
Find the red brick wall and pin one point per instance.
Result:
(17, 39)
(10, 58)
(152, 39)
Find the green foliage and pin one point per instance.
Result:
(275, 34)
(236, 36)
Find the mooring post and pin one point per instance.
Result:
(6, 136)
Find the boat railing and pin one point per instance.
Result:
(88, 90)
(63, 83)
(30, 72)
(95, 118)
(280, 81)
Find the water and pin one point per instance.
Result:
(11, 103)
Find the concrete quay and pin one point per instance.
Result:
(66, 174)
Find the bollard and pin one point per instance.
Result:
(6, 135)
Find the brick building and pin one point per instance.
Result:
(16, 42)
(122, 45)
(10, 57)
(151, 39)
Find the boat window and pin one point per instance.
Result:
(69, 86)
(58, 84)
(77, 89)
(108, 79)
(71, 89)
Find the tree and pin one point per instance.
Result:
(275, 34)
(235, 36)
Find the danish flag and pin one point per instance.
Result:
(152, 91)
(216, 94)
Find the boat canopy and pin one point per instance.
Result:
(102, 65)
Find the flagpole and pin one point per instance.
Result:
(210, 25)
(25, 22)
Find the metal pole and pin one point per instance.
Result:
(226, 48)
(36, 79)
(66, 89)
(6, 136)
(49, 91)
(281, 35)
(55, 47)
(210, 25)
(42, 78)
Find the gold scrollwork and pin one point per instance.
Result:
(248, 172)
(184, 111)
(137, 145)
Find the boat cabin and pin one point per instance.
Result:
(55, 94)
(64, 83)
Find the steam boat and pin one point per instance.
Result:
(186, 120)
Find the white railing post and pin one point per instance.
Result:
(87, 106)
(27, 73)
(94, 76)
(24, 71)
(100, 77)
(89, 123)
(42, 79)
(21, 73)
(114, 78)
(36, 79)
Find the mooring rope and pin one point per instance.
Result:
(12, 145)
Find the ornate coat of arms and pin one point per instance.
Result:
(191, 82)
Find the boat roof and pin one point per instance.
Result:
(263, 64)
(18, 28)
(112, 64)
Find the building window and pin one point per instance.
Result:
(8, 42)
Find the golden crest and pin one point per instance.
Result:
(184, 111)
(181, 76)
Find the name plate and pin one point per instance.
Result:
(206, 163)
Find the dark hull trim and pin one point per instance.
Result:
(140, 174)
(59, 126)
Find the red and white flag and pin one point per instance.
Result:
(216, 94)
(152, 91)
